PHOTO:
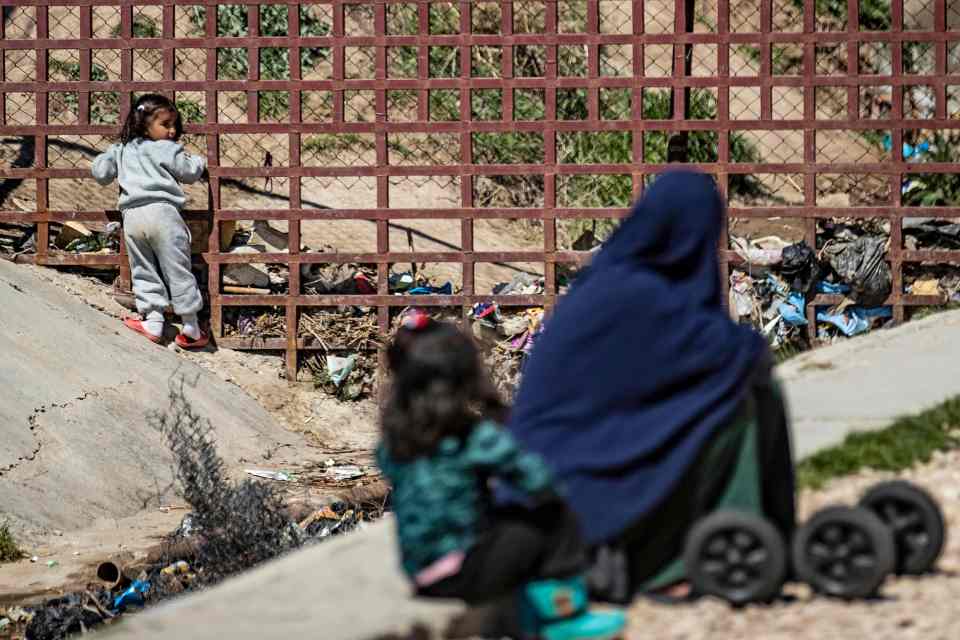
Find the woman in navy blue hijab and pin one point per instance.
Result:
(639, 369)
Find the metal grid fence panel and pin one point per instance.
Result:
(545, 111)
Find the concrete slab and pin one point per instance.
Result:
(868, 382)
(75, 445)
(344, 589)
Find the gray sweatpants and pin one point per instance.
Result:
(158, 243)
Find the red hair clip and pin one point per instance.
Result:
(415, 320)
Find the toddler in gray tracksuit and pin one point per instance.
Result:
(150, 164)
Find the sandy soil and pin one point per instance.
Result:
(921, 608)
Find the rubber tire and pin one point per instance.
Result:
(774, 570)
(877, 534)
(917, 561)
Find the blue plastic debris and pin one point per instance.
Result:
(426, 290)
(134, 595)
(832, 288)
(792, 310)
(855, 320)
(909, 150)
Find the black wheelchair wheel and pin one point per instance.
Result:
(735, 556)
(916, 521)
(845, 552)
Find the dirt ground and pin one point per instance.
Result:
(908, 608)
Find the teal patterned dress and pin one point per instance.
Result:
(440, 501)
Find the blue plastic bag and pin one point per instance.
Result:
(792, 310)
(831, 288)
(855, 320)
(134, 595)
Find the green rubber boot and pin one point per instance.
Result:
(557, 610)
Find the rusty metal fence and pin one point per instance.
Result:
(519, 127)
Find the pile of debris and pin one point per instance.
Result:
(257, 323)
(350, 330)
(938, 280)
(507, 336)
(73, 237)
(931, 234)
(17, 238)
(263, 279)
(781, 279)
(232, 527)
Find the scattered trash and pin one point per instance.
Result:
(133, 596)
(70, 614)
(186, 529)
(832, 288)
(522, 284)
(17, 237)
(181, 567)
(791, 310)
(854, 320)
(925, 288)
(19, 614)
(507, 338)
(931, 233)
(741, 302)
(279, 476)
(34, 558)
(338, 518)
(861, 264)
(260, 323)
(346, 472)
(942, 281)
(52, 563)
(766, 251)
(800, 268)
(346, 327)
(232, 527)
(339, 368)
(339, 279)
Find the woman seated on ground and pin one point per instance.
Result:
(638, 378)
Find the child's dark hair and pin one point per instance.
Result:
(438, 389)
(146, 106)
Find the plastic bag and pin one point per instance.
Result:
(861, 264)
(800, 268)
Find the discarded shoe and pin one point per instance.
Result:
(557, 610)
(137, 325)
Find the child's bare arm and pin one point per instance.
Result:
(105, 166)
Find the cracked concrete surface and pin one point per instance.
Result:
(75, 445)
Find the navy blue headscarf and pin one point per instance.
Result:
(639, 364)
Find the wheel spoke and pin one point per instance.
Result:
(820, 551)
(889, 511)
(756, 558)
(717, 547)
(713, 567)
(832, 533)
(742, 540)
(838, 570)
(858, 541)
(738, 577)
(863, 561)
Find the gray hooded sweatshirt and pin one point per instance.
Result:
(149, 171)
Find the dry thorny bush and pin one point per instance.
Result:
(239, 524)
